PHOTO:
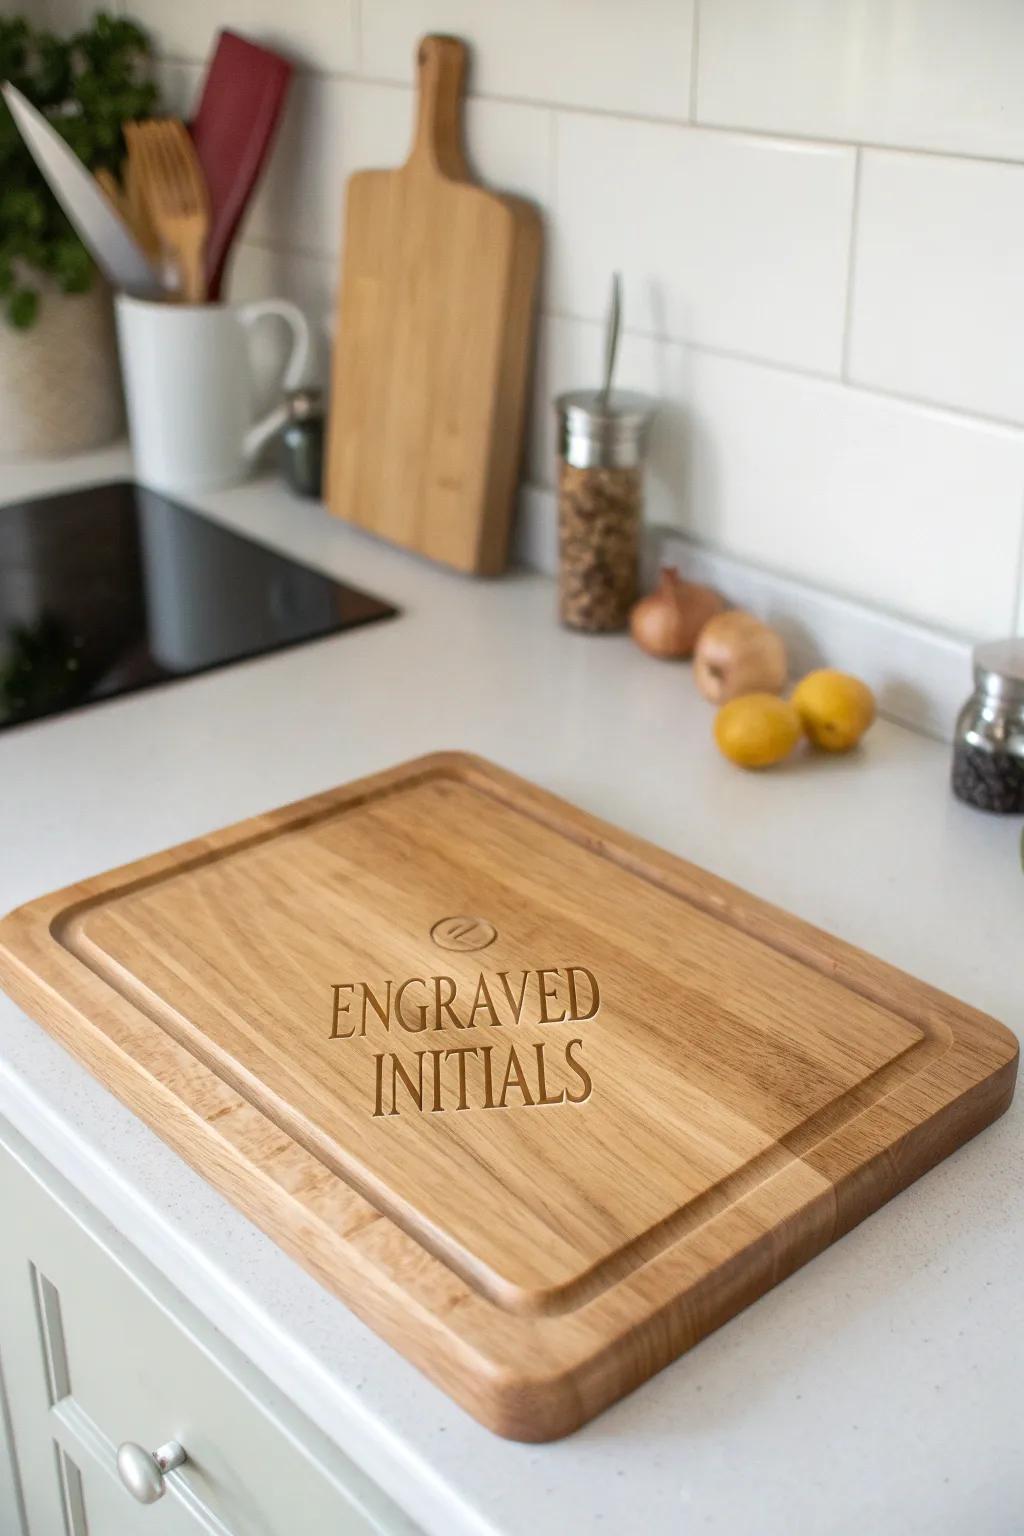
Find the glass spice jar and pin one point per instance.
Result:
(988, 744)
(602, 438)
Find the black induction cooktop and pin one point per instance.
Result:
(114, 588)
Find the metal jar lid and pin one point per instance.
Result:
(305, 404)
(999, 669)
(599, 431)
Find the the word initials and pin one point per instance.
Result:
(472, 1074)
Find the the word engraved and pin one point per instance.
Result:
(473, 1073)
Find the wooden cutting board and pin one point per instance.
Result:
(433, 341)
(542, 1104)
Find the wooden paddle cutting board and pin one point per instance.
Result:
(433, 341)
(543, 1104)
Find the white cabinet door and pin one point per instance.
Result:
(66, 1462)
(95, 1354)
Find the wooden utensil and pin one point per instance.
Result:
(543, 1104)
(127, 202)
(136, 209)
(170, 182)
(434, 327)
(233, 130)
(113, 192)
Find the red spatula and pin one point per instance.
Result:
(233, 129)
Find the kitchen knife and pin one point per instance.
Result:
(99, 226)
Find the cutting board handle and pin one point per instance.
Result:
(441, 66)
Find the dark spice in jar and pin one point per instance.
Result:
(988, 741)
(988, 780)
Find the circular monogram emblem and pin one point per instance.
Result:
(463, 933)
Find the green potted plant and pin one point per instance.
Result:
(59, 382)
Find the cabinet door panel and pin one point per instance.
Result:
(26, 1379)
(95, 1358)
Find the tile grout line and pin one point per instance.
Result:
(851, 269)
(874, 146)
(739, 130)
(952, 414)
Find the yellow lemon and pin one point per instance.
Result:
(757, 729)
(835, 709)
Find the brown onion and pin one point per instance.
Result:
(667, 622)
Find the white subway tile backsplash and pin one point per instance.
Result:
(928, 74)
(510, 148)
(938, 300)
(584, 53)
(331, 128)
(909, 509)
(186, 29)
(731, 241)
(178, 84)
(317, 34)
(335, 127)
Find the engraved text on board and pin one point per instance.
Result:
(463, 1043)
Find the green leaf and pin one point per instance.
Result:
(25, 209)
(86, 85)
(72, 266)
(22, 308)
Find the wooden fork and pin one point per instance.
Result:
(125, 199)
(172, 186)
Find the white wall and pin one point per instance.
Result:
(818, 209)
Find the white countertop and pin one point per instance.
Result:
(877, 1390)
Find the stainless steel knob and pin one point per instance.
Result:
(142, 1472)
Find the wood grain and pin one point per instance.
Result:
(435, 320)
(698, 1094)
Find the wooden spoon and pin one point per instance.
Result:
(171, 185)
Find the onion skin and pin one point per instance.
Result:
(737, 654)
(668, 621)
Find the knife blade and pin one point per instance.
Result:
(99, 227)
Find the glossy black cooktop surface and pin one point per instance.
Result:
(114, 588)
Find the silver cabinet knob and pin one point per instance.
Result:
(142, 1472)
